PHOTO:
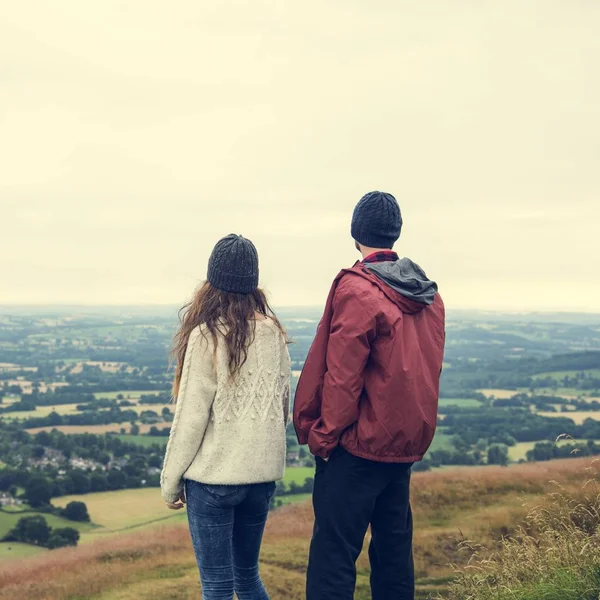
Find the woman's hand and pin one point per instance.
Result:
(179, 503)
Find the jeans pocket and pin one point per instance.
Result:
(221, 491)
(270, 490)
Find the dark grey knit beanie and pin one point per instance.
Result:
(233, 265)
(377, 222)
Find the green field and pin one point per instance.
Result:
(559, 375)
(144, 440)
(9, 520)
(441, 441)
(298, 475)
(11, 550)
(462, 402)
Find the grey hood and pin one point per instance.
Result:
(407, 278)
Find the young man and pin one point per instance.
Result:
(367, 407)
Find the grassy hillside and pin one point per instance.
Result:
(478, 504)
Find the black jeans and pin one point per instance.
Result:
(350, 494)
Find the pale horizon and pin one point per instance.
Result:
(134, 137)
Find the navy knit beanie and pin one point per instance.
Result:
(233, 265)
(377, 222)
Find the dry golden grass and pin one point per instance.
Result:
(481, 504)
(554, 555)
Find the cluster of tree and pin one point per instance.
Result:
(482, 454)
(61, 395)
(75, 511)
(41, 488)
(99, 412)
(156, 432)
(495, 424)
(35, 530)
(547, 450)
(94, 417)
(162, 398)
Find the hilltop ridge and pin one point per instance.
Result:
(481, 504)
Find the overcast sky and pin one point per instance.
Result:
(134, 134)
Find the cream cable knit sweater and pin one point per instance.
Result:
(224, 432)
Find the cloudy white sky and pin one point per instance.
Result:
(134, 134)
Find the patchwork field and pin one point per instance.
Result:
(42, 411)
(98, 429)
(577, 416)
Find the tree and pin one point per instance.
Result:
(498, 454)
(38, 452)
(31, 530)
(135, 429)
(117, 480)
(38, 492)
(80, 482)
(65, 536)
(98, 482)
(103, 458)
(154, 460)
(76, 511)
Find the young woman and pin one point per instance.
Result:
(227, 444)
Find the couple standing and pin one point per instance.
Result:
(366, 405)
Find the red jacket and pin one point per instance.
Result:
(371, 378)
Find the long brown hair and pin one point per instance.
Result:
(228, 314)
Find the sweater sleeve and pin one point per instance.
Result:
(194, 402)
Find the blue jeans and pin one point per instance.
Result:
(227, 524)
